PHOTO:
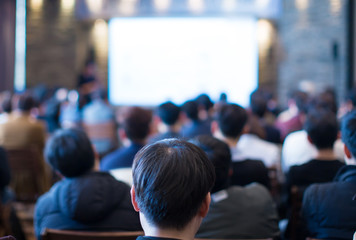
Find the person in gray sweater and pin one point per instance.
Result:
(235, 212)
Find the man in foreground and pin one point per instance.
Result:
(329, 208)
(85, 199)
(172, 180)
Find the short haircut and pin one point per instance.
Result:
(190, 108)
(231, 119)
(322, 127)
(25, 102)
(168, 112)
(258, 103)
(136, 123)
(171, 179)
(219, 154)
(348, 131)
(205, 101)
(301, 100)
(6, 103)
(69, 151)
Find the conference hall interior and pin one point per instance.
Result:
(86, 84)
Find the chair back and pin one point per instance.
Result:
(54, 234)
(27, 173)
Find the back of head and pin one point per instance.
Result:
(171, 180)
(348, 131)
(190, 108)
(205, 101)
(231, 119)
(25, 102)
(219, 154)
(322, 127)
(301, 100)
(69, 151)
(6, 104)
(258, 103)
(168, 112)
(136, 123)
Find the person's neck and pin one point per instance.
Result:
(325, 154)
(187, 233)
(232, 142)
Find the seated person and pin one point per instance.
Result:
(230, 124)
(193, 126)
(171, 206)
(169, 124)
(97, 112)
(136, 127)
(334, 217)
(85, 199)
(322, 129)
(259, 111)
(235, 212)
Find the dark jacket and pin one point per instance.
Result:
(329, 209)
(94, 201)
(121, 158)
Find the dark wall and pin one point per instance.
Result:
(7, 43)
(313, 37)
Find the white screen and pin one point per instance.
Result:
(152, 60)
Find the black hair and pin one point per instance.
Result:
(258, 102)
(348, 131)
(6, 103)
(168, 112)
(219, 154)
(205, 101)
(301, 100)
(322, 127)
(25, 102)
(136, 123)
(190, 108)
(231, 119)
(171, 178)
(70, 152)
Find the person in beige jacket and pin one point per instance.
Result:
(22, 131)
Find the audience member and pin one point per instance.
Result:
(99, 111)
(229, 126)
(21, 130)
(169, 124)
(70, 112)
(171, 206)
(235, 212)
(293, 118)
(205, 107)
(85, 199)
(322, 129)
(258, 105)
(193, 126)
(136, 128)
(329, 208)
(6, 106)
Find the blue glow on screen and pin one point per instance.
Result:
(152, 60)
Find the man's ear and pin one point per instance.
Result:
(204, 208)
(347, 152)
(133, 199)
(310, 140)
